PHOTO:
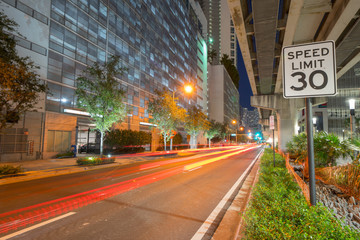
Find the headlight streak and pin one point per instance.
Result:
(198, 164)
(29, 215)
(158, 164)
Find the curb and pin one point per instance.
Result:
(231, 225)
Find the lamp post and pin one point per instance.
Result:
(343, 131)
(352, 114)
(188, 89)
(234, 122)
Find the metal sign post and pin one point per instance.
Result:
(309, 70)
(310, 146)
(272, 127)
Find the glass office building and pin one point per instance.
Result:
(155, 39)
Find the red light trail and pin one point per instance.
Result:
(29, 215)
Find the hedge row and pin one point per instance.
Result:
(90, 161)
(278, 209)
(8, 169)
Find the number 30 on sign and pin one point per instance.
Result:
(309, 70)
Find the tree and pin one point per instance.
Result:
(231, 69)
(211, 56)
(213, 131)
(20, 86)
(100, 94)
(165, 113)
(176, 139)
(195, 121)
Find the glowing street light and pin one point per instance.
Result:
(188, 88)
(234, 122)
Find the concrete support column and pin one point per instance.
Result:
(286, 123)
(286, 114)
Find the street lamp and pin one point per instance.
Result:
(234, 122)
(343, 131)
(188, 89)
(352, 114)
(314, 123)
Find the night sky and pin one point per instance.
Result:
(244, 85)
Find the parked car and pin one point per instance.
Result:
(92, 148)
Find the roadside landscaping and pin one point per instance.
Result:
(91, 161)
(9, 170)
(278, 210)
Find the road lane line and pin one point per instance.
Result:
(213, 215)
(36, 226)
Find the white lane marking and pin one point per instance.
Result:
(213, 215)
(36, 226)
(193, 169)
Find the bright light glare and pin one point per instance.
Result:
(188, 88)
(352, 103)
(314, 120)
(233, 121)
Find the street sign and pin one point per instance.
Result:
(272, 122)
(309, 70)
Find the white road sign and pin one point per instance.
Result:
(309, 70)
(272, 122)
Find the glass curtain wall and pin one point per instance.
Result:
(156, 41)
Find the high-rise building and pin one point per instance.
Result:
(250, 119)
(158, 42)
(202, 76)
(224, 104)
(221, 33)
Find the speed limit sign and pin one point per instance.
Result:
(309, 70)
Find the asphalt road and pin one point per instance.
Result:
(140, 201)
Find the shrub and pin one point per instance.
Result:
(121, 150)
(278, 209)
(90, 161)
(65, 155)
(327, 148)
(297, 147)
(8, 169)
(346, 177)
(119, 138)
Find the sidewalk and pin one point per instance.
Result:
(36, 169)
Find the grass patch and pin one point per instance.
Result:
(9, 170)
(91, 161)
(278, 210)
